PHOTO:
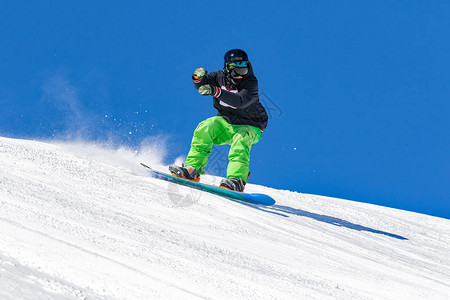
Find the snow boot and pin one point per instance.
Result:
(185, 172)
(234, 184)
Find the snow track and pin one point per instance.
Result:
(82, 222)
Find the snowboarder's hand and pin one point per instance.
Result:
(208, 89)
(199, 73)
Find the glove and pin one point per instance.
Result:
(199, 73)
(208, 89)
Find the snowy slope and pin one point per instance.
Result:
(84, 222)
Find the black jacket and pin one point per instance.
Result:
(237, 103)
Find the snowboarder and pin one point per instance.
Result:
(240, 120)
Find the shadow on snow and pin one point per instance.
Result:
(281, 210)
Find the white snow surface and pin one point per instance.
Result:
(80, 221)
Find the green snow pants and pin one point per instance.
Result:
(218, 131)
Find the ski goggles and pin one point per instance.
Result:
(236, 72)
(239, 68)
(238, 64)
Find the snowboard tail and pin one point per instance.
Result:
(260, 199)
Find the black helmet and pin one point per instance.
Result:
(236, 64)
(235, 55)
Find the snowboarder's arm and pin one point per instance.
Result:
(246, 97)
(201, 77)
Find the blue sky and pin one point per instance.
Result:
(358, 92)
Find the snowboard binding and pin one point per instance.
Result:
(185, 172)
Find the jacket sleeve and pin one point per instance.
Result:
(210, 78)
(246, 97)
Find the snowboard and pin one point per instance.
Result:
(259, 199)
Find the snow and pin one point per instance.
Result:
(80, 221)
